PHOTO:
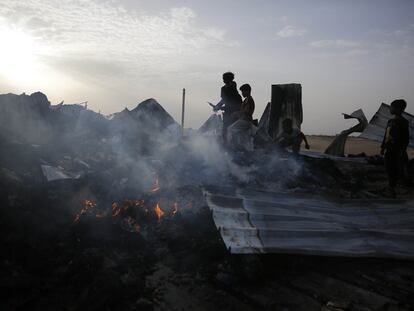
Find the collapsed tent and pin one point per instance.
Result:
(240, 135)
(213, 126)
(337, 147)
(54, 173)
(376, 127)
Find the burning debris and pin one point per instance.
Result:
(159, 212)
(122, 224)
(89, 205)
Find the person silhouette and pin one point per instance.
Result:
(291, 137)
(247, 107)
(395, 143)
(230, 102)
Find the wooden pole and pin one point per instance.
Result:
(182, 114)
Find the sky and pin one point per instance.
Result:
(114, 54)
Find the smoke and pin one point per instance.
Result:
(123, 155)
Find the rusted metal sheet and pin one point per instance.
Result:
(376, 127)
(253, 221)
(286, 102)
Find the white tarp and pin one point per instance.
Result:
(54, 173)
(376, 127)
(240, 135)
(337, 147)
(213, 126)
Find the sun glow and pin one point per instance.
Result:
(19, 56)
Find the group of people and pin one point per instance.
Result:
(235, 108)
(231, 103)
(394, 145)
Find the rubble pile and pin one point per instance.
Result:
(107, 213)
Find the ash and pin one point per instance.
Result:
(107, 213)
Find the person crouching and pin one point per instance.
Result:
(291, 137)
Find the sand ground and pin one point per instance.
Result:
(354, 145)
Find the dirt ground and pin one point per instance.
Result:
(354, 145)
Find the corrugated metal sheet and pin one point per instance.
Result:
(376, 127)
(252, 221)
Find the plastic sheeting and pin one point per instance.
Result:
(240, 135)
(376, 127)
(337, 147)
(213, 126)
(54, 173)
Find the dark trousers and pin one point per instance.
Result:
(395, 161)
(228, 120)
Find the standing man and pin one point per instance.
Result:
(230, 101)
(395, 143)
(247, 107)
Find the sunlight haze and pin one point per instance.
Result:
(115, 54)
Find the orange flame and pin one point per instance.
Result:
(89, 204)
(159, 212)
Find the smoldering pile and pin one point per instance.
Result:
(101, 212)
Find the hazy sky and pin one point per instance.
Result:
(346, 54)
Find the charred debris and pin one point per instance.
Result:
(108, 213)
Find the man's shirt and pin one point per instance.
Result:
(231, 98)
(396, 134)
(247, 108)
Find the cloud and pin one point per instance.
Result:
(79, 30)
(344, 47)
(401, 33)
(290, 31)
(87, 67)
(334, 43)
(283, 18)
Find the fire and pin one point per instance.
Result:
(127, 213)
(89, 204)
(116, 210)
(132, 225)
(159, 212)
(139, 203)
(175, 209)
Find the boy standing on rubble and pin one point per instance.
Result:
(247, 107)
(291, 137)
(230, 101)
(395, 143)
